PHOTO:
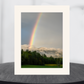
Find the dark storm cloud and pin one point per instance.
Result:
(50, 26)
(27, 23)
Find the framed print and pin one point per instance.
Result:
(42, 40)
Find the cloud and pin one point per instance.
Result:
(56, 53)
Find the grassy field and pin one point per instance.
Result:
(42, 66)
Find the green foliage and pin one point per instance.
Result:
(40, 66)
(35, 58)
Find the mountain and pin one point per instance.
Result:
(56, 53)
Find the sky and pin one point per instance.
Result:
(49, 30)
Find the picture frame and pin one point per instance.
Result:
(65, 41)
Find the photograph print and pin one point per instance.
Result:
(41, 40)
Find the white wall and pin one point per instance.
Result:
(8, 28)
(76, 27)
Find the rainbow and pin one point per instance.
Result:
(34, 30)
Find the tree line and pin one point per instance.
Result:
(35, 58)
